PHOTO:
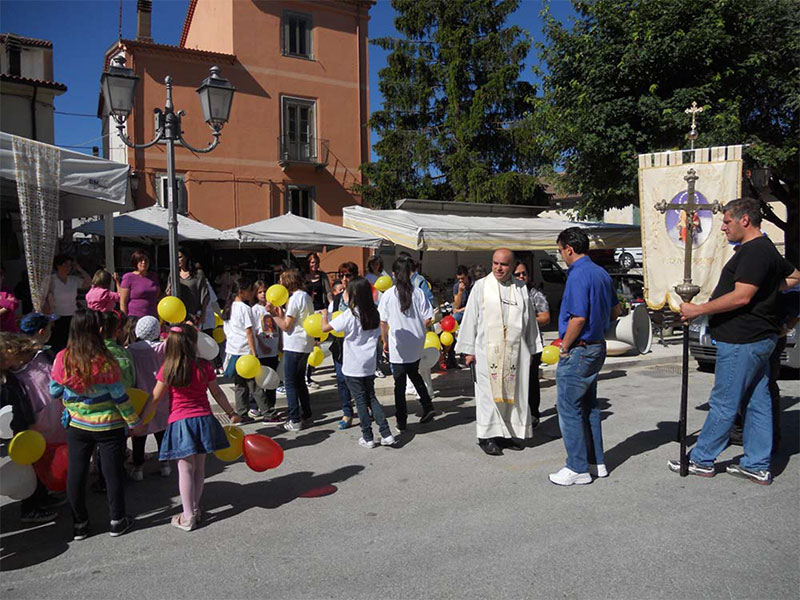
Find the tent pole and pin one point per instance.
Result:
(108, 228)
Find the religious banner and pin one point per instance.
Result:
(661, 177)
(38, 168)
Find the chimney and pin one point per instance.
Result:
(144, 10)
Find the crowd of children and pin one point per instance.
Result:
(81, 395)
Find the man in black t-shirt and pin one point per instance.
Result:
(745, 324)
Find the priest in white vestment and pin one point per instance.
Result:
(498, 334)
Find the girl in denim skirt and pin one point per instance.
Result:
(192, 430)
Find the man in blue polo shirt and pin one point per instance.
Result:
(588, 306)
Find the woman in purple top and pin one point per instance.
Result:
(139, 291)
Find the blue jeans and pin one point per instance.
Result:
(294, 378)
(363, 390)
(741, 370)
(578, 414)
(344, 391)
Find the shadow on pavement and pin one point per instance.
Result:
(30, 545)
(641, 442)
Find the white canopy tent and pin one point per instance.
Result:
(47, 184)
(87, 185)
(291, 232)
(420, 231)
(150, 225)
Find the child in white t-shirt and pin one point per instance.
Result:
(361, 327)
(405, 315)
(297, 345)
(240, 340)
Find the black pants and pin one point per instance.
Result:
(269, 395)
(138, 443)
(534, 394)
(80, 445)
(411, 370)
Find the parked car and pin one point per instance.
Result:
(703, 347)
(628, 258)
(549, 277)
(630, 288)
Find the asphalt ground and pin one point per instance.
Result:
(434, 517)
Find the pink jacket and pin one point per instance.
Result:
(101, 299)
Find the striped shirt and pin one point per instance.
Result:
(101, 407)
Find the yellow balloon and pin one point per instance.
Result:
(247, 366)
(172, 309)
(277, 295)
(324, 336)
(316, 357)
(217, 320)
(235, 437)
(446, 338)
(138, 398)
(26, 447)
(336, 333)
(432, 341)
(383, 283)
(313, 325)
(218, 334)
(550, 355)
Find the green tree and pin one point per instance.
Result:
(452, 101)
(618, 81)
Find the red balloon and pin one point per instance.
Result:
(261, 453)
(52, 467)
(448, 323)
(557, 343)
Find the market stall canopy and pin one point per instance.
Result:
(463, 233)
(151, 224)
(290, 232)
(88, 185)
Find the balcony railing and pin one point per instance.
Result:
(312, 151)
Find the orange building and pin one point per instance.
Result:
(298, 126)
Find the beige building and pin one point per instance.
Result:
(27, 89)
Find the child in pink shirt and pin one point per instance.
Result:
(100, 297)
(193, 431)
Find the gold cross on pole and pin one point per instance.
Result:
(687, 290)
(693, 110)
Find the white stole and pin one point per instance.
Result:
(503, 340)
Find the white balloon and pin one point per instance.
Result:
(207, 347)
(17, 481)
(6, 415)
(430, 356)
(437, 329)
(326, 348)
(271, 381)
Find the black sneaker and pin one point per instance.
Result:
(759, 477)
(38, 515)
(54, 501)
(80, 531)
(120, 527)
(427, 416)
(694, 468)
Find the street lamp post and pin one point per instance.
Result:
(216, 96)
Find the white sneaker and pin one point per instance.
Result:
(388, 440)
(166, 469)
(281, 390)
(137, 474)
(379, 374)
(567, 476)
(366, 444)
(292, 426)
(598, 470)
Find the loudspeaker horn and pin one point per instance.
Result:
(634, 329)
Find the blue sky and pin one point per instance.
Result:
(82, 30)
